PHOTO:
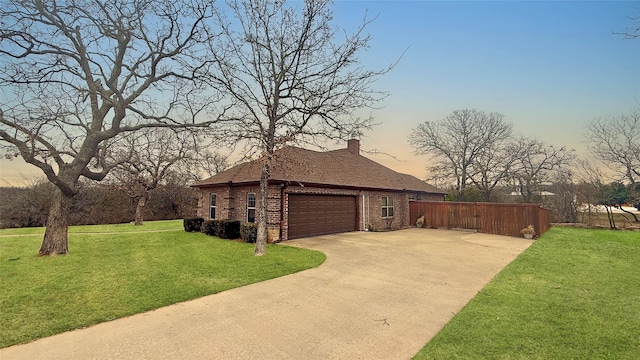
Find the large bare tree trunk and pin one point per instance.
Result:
(56, 237)
(487, 195)
(142, 202)
(261, 241)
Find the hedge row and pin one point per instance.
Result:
(224, 229)
(192, 224)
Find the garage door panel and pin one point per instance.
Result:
(311, 215)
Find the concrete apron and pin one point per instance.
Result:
(377, 296)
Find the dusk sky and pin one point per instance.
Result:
(549, 67)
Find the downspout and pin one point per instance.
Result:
(369, 209)
(282, 187)
(364, 226)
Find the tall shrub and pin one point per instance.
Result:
(192, 224)
(248, 232)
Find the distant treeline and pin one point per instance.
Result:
(95, 204)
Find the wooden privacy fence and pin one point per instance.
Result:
(490, 218)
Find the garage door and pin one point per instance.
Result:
(312, 215)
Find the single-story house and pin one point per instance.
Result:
(316, 193)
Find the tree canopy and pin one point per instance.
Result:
(461, 140)
(290, 77)
(78, 74)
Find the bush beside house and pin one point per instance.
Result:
(224, 229)
(228, 229)
(193, 224)
(209, 227)
(248, 232)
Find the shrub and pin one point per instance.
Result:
(224, 229)
(209, 227)
(228, 229)
(249, 232)
(192, 224)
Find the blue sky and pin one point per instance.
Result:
(549, 67)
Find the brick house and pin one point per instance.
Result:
(316, 193)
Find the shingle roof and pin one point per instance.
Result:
(333, 168)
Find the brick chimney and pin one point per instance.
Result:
(353, 146)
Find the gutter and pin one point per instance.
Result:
(283, 186)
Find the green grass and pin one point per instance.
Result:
(161, 225)
(108, 276)
(574, 294)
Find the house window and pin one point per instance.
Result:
(387, 206)
(251, 207)
(212, 206)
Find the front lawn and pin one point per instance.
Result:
(111, 275)
(574, 294)
(161, 225)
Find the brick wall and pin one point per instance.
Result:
(429, 197)
(373, 211)
(224, 203)
(232, 204)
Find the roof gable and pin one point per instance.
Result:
(335, 168)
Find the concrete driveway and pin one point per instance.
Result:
(377, 296)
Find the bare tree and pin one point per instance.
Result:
(292, 80)
(536, 163)
(25, 206)
(493, 166)
(633, 31)
(214, 162)
(594, 190)
(152, 157)
(76, 74)
(615, 141)
(563, 205)
(457, 141)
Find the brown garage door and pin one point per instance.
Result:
(311, 215)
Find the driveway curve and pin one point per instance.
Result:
(377, 296)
